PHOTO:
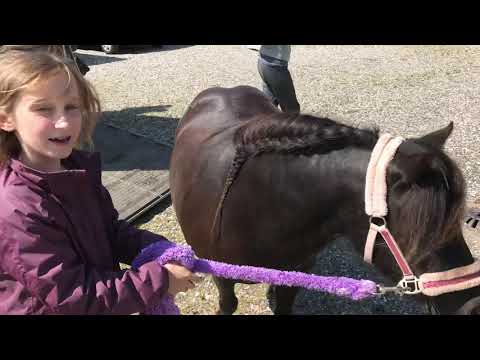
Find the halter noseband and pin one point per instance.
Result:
(430, 284)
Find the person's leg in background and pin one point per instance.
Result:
(278, 83)
(69, 52)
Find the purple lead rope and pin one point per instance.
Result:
(166, 252)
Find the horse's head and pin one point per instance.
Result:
(426, 193)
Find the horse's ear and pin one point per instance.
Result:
(423, 168)
(437, 138)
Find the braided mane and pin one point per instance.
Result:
(289, 134)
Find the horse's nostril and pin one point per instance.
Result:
(471, 307)
(476, 310)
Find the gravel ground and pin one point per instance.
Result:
(407, 90)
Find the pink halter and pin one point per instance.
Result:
(430, 284)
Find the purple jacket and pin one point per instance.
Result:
(61, 243)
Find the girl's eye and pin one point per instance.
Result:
(72, 107)
(44, 109)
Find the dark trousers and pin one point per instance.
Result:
(278, 84)
(82, 67)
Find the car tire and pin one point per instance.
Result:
(110, 49)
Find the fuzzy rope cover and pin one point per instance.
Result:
(166, 252)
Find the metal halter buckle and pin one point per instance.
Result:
(382, 290)
(372, 218)
(410, 285)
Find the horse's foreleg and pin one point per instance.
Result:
(284, 298)
(228, 302)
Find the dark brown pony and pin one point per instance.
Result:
(251, 185)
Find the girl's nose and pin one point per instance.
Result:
(61, 122)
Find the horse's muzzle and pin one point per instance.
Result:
(471, 307)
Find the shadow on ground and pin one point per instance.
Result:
(150, 214)
(173, 47)
(144, 121)
(92, 60)
(122, 137)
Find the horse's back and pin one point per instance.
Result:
(216, 108)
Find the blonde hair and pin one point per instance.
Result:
(58, 50)
(19, 68)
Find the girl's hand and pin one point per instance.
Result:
(180, 279)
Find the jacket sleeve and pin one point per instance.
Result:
(127, 240)
(40, 256)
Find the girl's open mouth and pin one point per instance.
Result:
(61, 140)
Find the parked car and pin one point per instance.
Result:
(109, 49)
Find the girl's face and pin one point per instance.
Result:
(47, 121)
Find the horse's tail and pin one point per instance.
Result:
(237, 163)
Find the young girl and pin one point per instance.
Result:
(60, 238)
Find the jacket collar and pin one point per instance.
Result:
(80, 166)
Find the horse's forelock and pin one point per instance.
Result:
(427, 216)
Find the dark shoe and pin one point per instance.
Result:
(84, 68)
(473, 218)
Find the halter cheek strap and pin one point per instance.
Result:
(392, 245)
(376, 192)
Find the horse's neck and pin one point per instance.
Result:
(345, 176)
(336, 182)
(343, 170)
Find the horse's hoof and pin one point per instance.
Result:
(271, 298)
(473, 218)
(220, 312)
(282, 312)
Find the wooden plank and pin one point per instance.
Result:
(135, 170)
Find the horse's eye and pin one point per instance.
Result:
(401, 186)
